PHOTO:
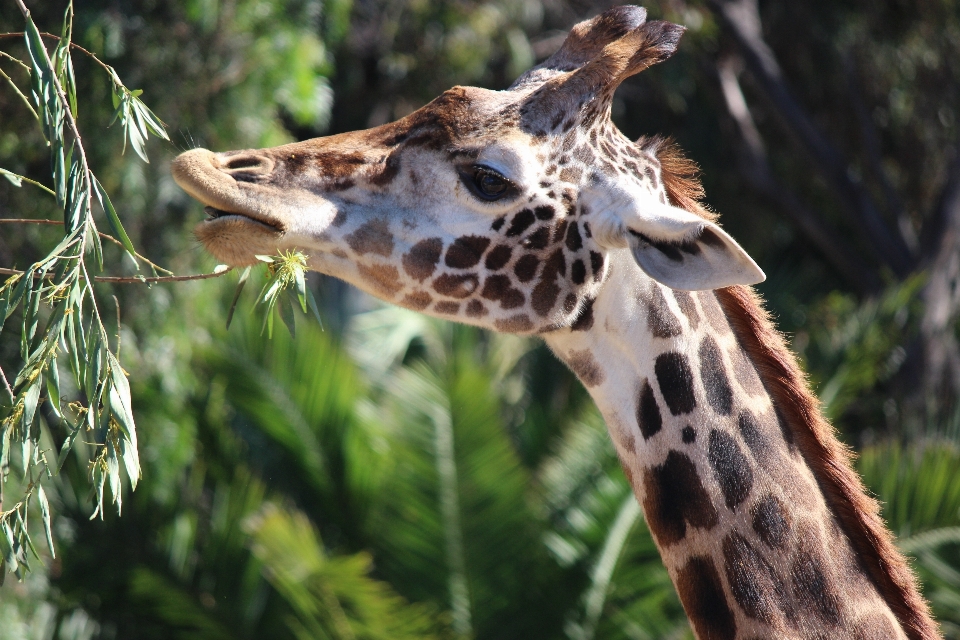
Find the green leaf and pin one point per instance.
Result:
(67, 446)
(287, 315)
(313, 307)
(14, 178)
(113, 218)
(7, 546)
(236, 294)
(45, 516)
(30, 399)
(53, 386)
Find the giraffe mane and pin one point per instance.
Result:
(829, 459)
(680, 175)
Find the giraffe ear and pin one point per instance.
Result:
(673, 246)
(701, 256)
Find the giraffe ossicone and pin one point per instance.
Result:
(527, 211)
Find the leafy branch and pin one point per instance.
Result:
(61, 329)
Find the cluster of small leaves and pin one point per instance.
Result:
(284, 289)
(61, 329)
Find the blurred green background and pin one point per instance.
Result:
(394, 476)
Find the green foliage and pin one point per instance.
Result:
(60, 316)
(332, 597)
(853, 347)
(920, 488)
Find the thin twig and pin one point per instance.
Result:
(130, 279)
(33, 182)
(73, 45)
(105, 236)
(6, 385)
(4, 54)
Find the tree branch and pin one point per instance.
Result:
(742, 18)
(756, 169)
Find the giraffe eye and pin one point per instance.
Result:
(485, 183)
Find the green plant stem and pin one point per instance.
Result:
(68, 116)
(6, 385)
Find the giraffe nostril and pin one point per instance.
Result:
(244, 162)
(247, 167)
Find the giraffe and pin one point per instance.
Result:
(526, 211)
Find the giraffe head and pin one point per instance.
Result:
(495, 208)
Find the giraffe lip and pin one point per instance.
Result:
(214, 215)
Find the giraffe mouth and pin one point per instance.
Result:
(215, 215)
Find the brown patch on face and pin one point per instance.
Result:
(545, 294)
(560, 230)
(498, 257)
(596, 264)
(339, 253)
(578, 272)
(571, 174)
(499, 287)
(544, 212)
(418, 300)
(447, 307)
(466, 251)
(688, 307)
(456, 286)
(384, 278)
(538, 239)
(521, 222)
(388, 171)
(514, 324)
(526, 267)
(476, 309)
(584, 321)
(421, 261)
(701, 592)
(574, 241)
(372, 236)
(674, 497)
(328, 164)
(583, 364)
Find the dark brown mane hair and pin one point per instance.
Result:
(830, 460)
(680, 175)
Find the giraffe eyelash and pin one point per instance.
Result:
(487, 184)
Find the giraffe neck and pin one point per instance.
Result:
(751, 542)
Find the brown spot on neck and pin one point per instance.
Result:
(583, 364)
